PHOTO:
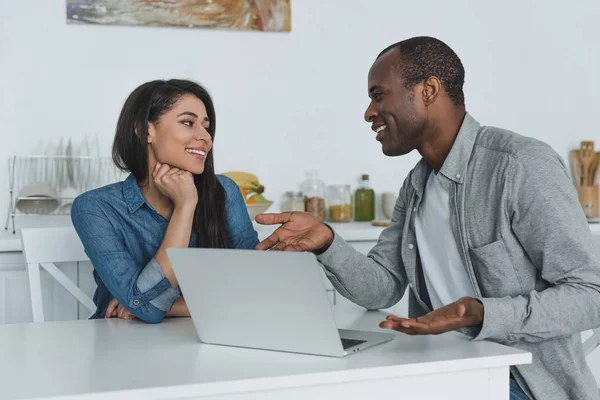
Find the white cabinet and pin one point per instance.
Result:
(15, 301)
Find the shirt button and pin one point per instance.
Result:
(136, 302)
(414, 209)
(457, 176)
(411, 246)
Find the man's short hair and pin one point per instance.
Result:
(422, 57)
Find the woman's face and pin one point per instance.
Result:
(180, 138)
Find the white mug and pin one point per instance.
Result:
(388, 201)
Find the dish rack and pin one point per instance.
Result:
(47, 185)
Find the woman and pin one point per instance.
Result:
(172, 198)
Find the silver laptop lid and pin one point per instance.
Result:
(258, 299)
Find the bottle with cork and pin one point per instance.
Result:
(364, 200)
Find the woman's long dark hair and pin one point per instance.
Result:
(148, 103)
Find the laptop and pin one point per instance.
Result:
(263, 300)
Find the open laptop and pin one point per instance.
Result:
(263, 300)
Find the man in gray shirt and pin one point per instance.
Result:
(517, 265)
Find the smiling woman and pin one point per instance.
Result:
(172, 198)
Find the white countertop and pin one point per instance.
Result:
(131, 359)
(350, 231)
(9, 241)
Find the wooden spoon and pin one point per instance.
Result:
(587, 156)
(575, 166)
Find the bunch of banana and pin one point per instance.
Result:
(248, 183)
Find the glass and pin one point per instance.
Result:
(314, 195)
(340, 203)
(293, 201)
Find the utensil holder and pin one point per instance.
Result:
(588, 198)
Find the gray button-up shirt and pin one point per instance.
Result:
(525, 244)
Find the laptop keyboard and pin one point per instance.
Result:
(347, 343)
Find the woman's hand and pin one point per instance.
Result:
(176, 184)
(115, 309)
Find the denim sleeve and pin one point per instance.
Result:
(242, 234)
(142, 290)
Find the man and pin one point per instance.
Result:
(487, 230)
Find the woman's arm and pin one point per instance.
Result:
(145, 291)
(179, 309)
(177, 235)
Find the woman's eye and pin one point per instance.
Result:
(187, 123)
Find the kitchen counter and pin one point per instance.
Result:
(350, 231)
(10, 242)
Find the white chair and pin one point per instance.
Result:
(593, 341)
(42, 248)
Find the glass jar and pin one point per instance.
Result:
(293, 201)
(339, 200)
(314, 195)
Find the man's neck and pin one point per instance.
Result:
(440, 136)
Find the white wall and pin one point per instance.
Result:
(286, 102)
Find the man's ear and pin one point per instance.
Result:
(432, 88)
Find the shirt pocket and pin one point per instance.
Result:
(495, 270)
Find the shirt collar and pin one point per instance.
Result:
(132, 194)
(455, 165)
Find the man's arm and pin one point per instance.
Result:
(375, 281)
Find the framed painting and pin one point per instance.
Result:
(253, 15)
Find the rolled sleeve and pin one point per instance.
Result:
(152, 284)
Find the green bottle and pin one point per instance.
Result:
(364, 200)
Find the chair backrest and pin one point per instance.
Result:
(52, 245)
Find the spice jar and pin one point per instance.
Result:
(314, 195)
(293, 201)
(340, 203)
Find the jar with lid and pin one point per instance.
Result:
(293, 201)
(313, 189)
(339, 200)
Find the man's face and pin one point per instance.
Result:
(397, 114)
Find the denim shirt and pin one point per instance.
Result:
(121, 233)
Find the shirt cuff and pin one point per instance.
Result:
(331, 255)
(156, 288)
(497, 314)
